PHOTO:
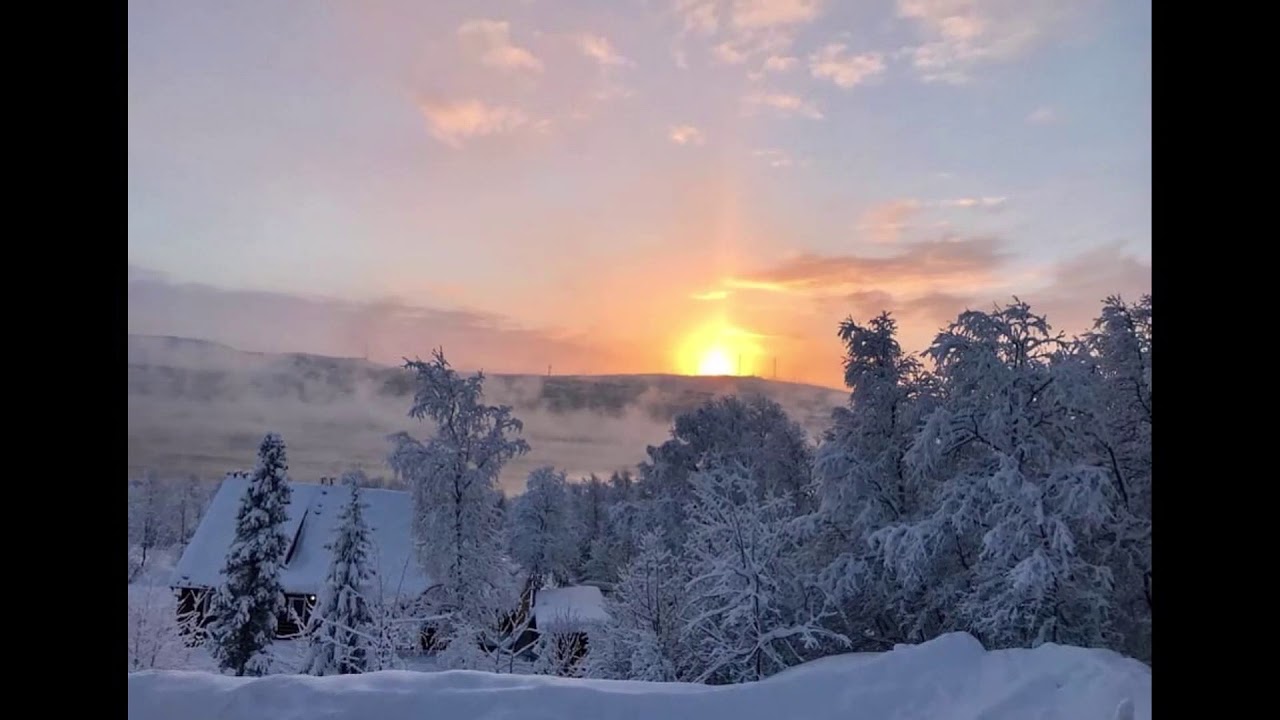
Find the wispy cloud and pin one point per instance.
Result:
(491, 39)
(883, 224)
(774, 158)
(779, 63)
(454, 122)
(1043, 115)
(698, 16)
(974, 202)
(756, 14)
(961, 34)
(686, 135)
(784, 104)
(598, 48)
(836, 64)
(728, 54)
(710, 295)
(949, 264)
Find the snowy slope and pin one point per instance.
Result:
(950, 678)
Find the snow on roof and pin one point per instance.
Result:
(569, 607)
(312, 516)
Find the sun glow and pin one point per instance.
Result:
(715, 361)
(718, 349)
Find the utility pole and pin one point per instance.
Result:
(739, 364)
(775, 368)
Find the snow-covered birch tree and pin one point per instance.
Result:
(753, 611)
(453, 476)
(1005, 550)
(544, 528)
(862, 482)
(647, 614)
(756, 433)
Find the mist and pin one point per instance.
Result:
(201, 408)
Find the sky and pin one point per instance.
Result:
(634, 185)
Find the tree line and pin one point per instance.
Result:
(999, 484)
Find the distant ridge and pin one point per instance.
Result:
(200, 407)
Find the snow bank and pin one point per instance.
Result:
(950, 678)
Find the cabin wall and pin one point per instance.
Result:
(194, 616)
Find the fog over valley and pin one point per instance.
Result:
(198, 407)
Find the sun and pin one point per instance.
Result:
(715, 361)
(718, 349)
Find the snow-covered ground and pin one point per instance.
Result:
(950, 678)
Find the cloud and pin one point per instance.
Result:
(492, 40)
(1043, 115)
(686, 135)
(599, 48)
(935, 266)
(757, 14)
(710, 295)
(958, 35)
(834, 63)
(775, 158)
(456, 121)
(974, 202)
(884, 223)
(698, 16)
(728, 54)
(777, 63)
(388, 330)
(1078, 285)
(783, 103)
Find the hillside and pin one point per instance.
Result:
(198, 407)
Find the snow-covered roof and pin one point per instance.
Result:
(572, 607)
(312, 515)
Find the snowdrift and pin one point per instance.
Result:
(950, 678)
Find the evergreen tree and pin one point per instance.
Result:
(342, 627)
(247, 605)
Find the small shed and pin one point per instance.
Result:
(312, 516)
(569, 616)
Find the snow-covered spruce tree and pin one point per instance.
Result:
(647, 614)
(248, 603)
(1005, 550)
(862, 484)
(753, 611)
(341, 632)
(544, 529)
(453, 475)
(757, 433)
